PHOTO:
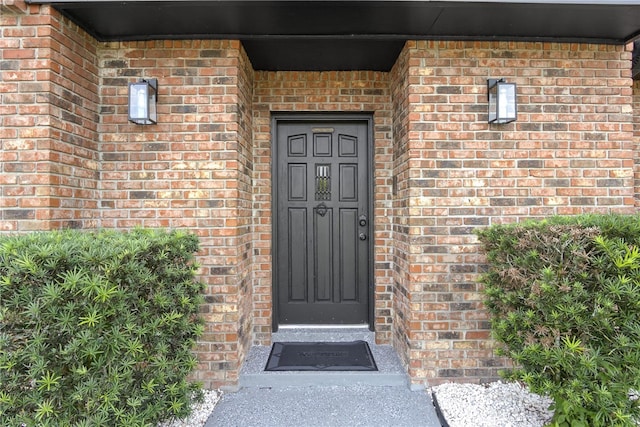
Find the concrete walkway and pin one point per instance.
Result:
(330, 406)
(332, 399)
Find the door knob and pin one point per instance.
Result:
(363, 236)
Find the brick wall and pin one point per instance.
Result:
(192, 170)
(569, 152)
(323, 92)
(245, 206)
(636, 141)
(401, 95)
(69, 158)
(49, 166)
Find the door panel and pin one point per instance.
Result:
(297, 259)
(322, 250)
(297, 182)
(348, 183)
(349, 246)
(322, 256)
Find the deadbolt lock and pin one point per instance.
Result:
(362, 220)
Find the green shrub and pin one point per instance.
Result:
(96, 329)
(564, 295)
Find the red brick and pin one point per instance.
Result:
(208, 168)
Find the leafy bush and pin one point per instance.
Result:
(96, 329)
(564, 295)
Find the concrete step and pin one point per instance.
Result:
(390, 372)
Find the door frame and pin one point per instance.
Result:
(326, 118)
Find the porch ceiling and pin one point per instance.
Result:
(351, 35)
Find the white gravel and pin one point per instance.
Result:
(200, 411)
(491, 405)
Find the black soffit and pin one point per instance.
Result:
(351, 35)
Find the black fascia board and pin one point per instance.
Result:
(373, 29)
(613, 22)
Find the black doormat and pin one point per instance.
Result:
(321, 356)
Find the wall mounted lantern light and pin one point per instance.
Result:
(502, 101)
(143, 99)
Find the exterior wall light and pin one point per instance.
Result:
(143, 100)
(503, 106)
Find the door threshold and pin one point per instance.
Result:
(323, 333)
(305, 326)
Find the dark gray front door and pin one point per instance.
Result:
(322, 222)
